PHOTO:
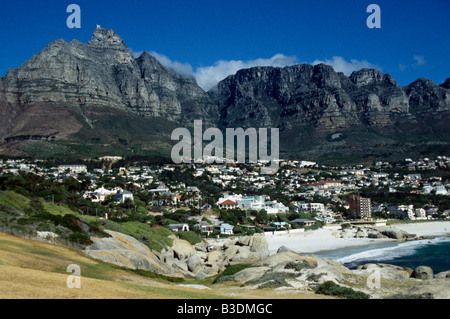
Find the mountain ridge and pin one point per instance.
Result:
(96, 98)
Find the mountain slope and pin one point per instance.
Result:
(67, 92)
(87, 100)
(323, 113)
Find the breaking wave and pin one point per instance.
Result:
(390, 254)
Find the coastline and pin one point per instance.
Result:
(323, 240)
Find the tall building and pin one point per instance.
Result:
(360, 205)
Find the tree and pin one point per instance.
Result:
(262, 217)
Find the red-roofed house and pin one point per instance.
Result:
(227, 204)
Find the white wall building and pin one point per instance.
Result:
(78, 169)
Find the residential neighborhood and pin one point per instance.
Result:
(216, 200)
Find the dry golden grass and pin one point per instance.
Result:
(35, 270)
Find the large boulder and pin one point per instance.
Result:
(423, 272)
(215, 256)
(385, 270)
(443, 275)
(126, 251)
(283, 249)
(250, 274)
(431, 289)
(182, 249)
(194, 264)
(393, 233)
(280, 259)
(257, 244)
(361, 233)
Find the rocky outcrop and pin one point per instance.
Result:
(423, 272)
(290, 270)
(385, 271)
(125, 251)
(376, 232)
(429, 289)
(85, 85)
(181, 259)
(311, 104)
(283, 269)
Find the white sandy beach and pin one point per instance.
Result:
(320, 240)
(435, 228)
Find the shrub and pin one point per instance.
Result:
(80, 239)
(273, 279)
(298, 266)
(332, 289)
(230, 271)
(190, 236)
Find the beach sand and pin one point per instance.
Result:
(434, 228)
(321, 240)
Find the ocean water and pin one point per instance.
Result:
(434, 253)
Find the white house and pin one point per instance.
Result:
(101, 194)
(420, 214)
(306, 163)
(226, 229)
(204, 227)
(78, 169)
(274, 207)
(123, 195)
(227, 204)
(179, 227)
(317, 208)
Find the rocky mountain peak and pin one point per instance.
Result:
(106, 38)
(446, 84)
(364, 77)
(422, 83)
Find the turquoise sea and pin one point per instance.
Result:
(434, 253)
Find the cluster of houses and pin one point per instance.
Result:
(252, 203)
(294, 178)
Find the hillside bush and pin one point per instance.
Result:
(332, 289)
(190, 236)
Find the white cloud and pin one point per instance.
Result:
(179, 67)
(209, 76)
(420, 60)
(339, 64)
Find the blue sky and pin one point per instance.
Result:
(211, 39)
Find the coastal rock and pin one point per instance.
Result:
(385, 270)
(423, 272)
(320, 275)
(126, 251)
(257, 244)
(250, 274)
(280, 259)
(375, 234)
(194, 264)
(393, 233)
(200, 247)
(215, 256)
(361, 233)
(283, 249)
(443, 275)
(182, 249)
(431, 289)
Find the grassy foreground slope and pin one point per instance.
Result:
(31, 269)
(34, 270)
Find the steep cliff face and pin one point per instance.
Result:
(310, 94)
(320, 111)
(68, 86)
(95, 98)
